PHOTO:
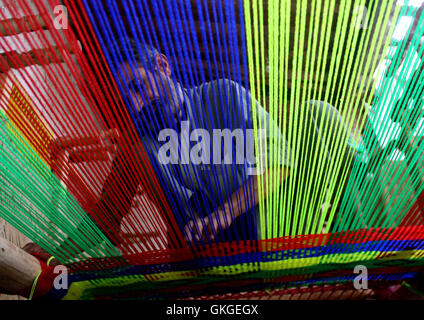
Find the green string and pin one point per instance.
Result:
(35, 202)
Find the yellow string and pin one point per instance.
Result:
(34, 285)
(50, 259)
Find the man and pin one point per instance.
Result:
(212, 202)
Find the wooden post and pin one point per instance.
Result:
(18, 269)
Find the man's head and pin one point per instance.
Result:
(146, 76)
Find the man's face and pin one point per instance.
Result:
(141, 84)
(153, 93)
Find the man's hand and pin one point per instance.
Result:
(206, 228)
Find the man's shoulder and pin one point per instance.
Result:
(221, 99)
(216, 86)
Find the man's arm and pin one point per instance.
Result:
(235, 206)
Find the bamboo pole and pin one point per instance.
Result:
(18, 269)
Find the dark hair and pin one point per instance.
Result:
(144, 58)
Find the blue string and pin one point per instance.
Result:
(237, 75)
(229, 102)
(179, 48)
(158, 11)
(194, 43)
(252, 195)
(209, 68)
(194, 75)
(164, 102)
(220, 94)
(150, 41)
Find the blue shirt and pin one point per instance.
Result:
(213, 107)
